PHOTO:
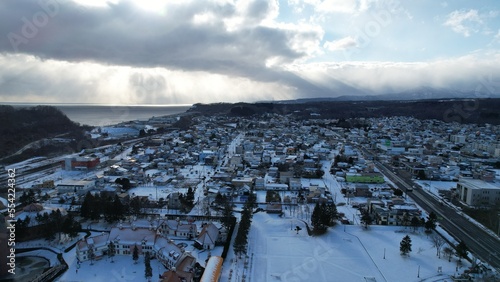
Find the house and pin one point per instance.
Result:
(127, 238)
(295, 184)
(285, 176)
(208, 237)
(362, 190)
(259, 183)
(177, 228)
(173, 201)
(241, 181)
(79, 187)
(277, 186)
(92, 248)
(205, 155)
(274, 208)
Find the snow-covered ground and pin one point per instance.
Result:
(344, 253)
(122, 269)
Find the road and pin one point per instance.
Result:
(482, 244)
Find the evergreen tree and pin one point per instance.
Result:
(148, 271)
(461, 250)
(323, 215)
(118, 209)
(252, 200)
(108, 208)
(316, 218)
(415, 222)
(241, 240)
(27, 197)
(398, 192)
(135, 205)
(219, 199)
(96, 207)
(85, 208)
(366, 219)
(430, 224)
(190, 197)
(405, 245)
(227, 215)
(135, 254)
(68, 225)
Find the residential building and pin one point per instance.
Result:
(208, 237)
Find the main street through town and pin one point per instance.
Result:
(481, 243)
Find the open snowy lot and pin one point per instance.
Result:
(344, 253)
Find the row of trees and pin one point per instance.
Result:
(47, 226)
(111, 208)
(241, 240)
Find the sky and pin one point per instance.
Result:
(190, 51)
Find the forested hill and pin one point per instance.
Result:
(22, 126)
(478, 111)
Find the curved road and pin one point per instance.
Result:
(482, 244)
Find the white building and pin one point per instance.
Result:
(126, 239)
(475, 192)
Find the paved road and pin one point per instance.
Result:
(482, 244)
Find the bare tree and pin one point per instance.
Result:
(437, 242)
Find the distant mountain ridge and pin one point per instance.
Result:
(424, 93)
(462, 110)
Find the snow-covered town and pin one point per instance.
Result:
(245, 199)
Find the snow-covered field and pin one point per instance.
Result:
(344, 253)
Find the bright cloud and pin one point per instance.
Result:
(341, 44)
(469, 22)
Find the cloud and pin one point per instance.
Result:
(25, 78)
(216, 37)
(468, 22)
(332, 6)
(467, 73)
(340, 6)
(341, 44)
